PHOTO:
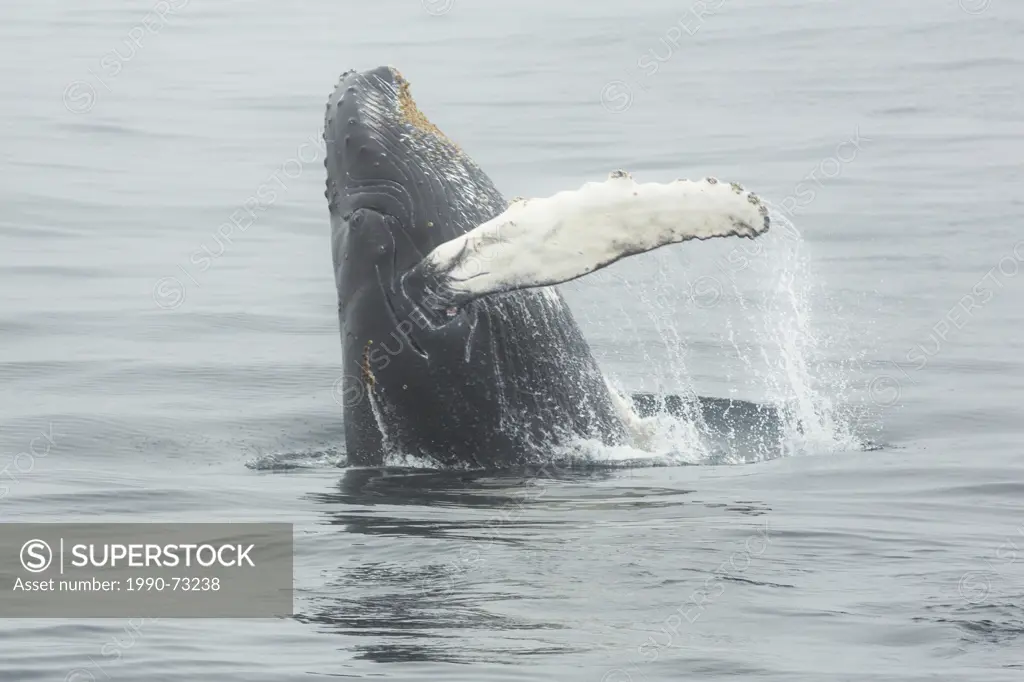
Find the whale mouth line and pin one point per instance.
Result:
(393, 314)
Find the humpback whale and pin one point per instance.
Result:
(456, 346)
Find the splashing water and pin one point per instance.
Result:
(810, 396)
(773, 339)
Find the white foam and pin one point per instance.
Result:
(541, 242)
(662, 438)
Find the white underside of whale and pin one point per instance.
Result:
(542, 242)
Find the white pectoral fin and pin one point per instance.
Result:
(541, 242)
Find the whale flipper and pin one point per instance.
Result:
(542, 242)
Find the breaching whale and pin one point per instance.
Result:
(455, 345)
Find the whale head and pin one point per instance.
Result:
(481, 385)
(397, 187)
(385, 157)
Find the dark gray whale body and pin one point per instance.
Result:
(494, 383)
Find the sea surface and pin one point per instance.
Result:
(161, 363)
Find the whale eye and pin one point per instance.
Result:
(370, 235)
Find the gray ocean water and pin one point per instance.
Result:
(159, 363)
